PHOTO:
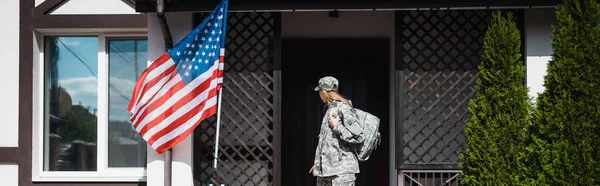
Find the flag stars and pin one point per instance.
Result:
(187, 46)
(203, 53)
(178, 53)
(206, 61)
(205, 31)
(196, 67)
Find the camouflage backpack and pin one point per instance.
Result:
(369, 124)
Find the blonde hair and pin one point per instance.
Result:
(333, 95)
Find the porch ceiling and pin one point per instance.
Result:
(207, 5)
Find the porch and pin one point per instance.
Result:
(428, 68)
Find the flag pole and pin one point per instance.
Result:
(220, 98)
(216, 155)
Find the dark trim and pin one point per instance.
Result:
(44, 20)
(130, 3)
(47, 6)
(92, 21)
(398, 44)
(196, 5)
(277, 94)
(398, 86)
(9, 155)
(26, 22)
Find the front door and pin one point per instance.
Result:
(362, 67)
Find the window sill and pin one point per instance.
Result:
(107, 176)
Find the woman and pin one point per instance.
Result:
(335, 163)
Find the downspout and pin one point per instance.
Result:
(160, 12)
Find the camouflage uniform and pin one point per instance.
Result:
(335, 162)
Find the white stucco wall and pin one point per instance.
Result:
(365, 24)
(538, 47)
(9, 97)
(9, 73)
(9, 175)
(94, 7)
(180, 25)
(38, 2)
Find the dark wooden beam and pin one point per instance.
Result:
(208, 5)
(92, 21)
(25, 110)
(47, 6)
(9, 155)
(43, 19)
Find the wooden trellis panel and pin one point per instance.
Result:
(439, 53)
(246, 149)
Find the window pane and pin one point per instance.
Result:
(71, 102)
(127, 60)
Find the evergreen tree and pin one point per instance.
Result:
(500, 112)
(566, 130)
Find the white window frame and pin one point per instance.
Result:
(103, 172)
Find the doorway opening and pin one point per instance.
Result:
(362, 67)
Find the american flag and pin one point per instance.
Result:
(179, 90)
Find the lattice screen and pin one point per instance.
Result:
(440, 53)
(246, 142)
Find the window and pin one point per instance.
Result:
(127, 61)
(85, 86)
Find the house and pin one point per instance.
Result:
(412, 63)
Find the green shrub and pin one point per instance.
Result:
(500, 113)
(566, 132)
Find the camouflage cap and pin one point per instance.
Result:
(327, 83)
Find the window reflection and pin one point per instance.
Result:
(71, 103)
(127, 60)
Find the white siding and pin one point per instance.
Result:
(538, 47)
(366, 24)
(94, 7)
(9, 174)
(9, 74)
(182, 175)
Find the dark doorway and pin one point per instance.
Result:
(362, 67)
